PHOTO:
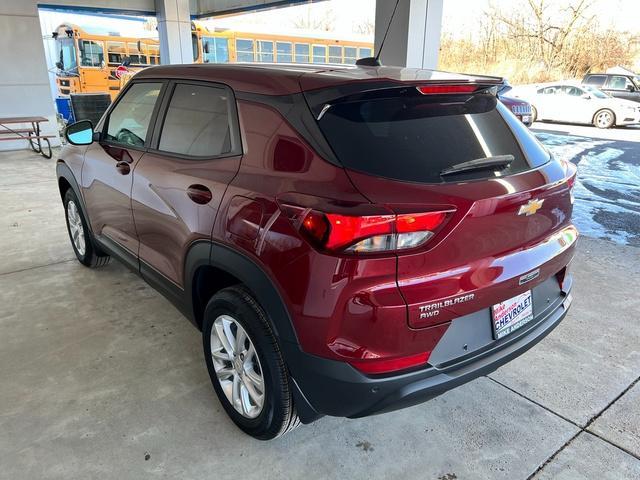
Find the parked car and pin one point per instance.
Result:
(626, 87)
(349, 240)
(563, 102)
(520, 108)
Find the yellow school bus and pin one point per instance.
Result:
(87, 62)
(223, 46)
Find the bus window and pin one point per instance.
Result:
(136, 55)
(115, 52)
(91, 54)
(265, 51)
(154, 54)
(302, 53)
(67, 54)
(365, 52)
(215, 50)
(244, 50)
(350, 55)
(335, 54)
(319, 54)
(284, 52)
(195, 51)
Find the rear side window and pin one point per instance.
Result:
(415, 137)
(197, 122)
(595, 80)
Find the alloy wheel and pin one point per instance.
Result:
(237, 366)
(603, 119)
(75, 228)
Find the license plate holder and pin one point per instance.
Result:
(511, 314)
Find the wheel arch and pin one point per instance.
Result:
(210, 266)
(66, 181)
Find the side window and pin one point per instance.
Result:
(365, 52)
(284, 52)
(619, 83)
(265, 51)
(319, 54)
(573, 91)
(350, 55)
(244, 50)
(195, 49)
(116, 52)
(215, 49)
(302, 53)
(128, 123)
(91, 53)
(596, 80)
(335, 54)
(197, 122)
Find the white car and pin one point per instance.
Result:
(568, 103)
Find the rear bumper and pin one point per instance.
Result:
(328, 387)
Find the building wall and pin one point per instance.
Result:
(24, 83)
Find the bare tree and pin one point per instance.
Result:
(366, 27)
(314, 21)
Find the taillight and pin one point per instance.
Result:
(385, 365)
(369, 233)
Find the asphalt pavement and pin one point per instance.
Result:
(608, 187)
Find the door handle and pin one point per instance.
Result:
(199, 194)
(123, 167)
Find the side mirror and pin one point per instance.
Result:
(586, 96)
(60, 65)
(80, 133)
(205, 47)
(630, 88)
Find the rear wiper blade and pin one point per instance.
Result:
(497, 162)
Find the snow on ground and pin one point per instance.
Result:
(608, 188)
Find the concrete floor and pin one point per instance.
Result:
(100, 377)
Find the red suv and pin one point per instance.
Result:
(349, 240)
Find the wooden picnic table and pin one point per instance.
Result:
(32, 135)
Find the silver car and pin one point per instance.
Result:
(563, 102)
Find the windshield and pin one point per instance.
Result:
(596, 93)
(416, 137)
(67, 54)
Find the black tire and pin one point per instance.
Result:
(604, 118)
(278, 415)
(534, 114)
(91, 256)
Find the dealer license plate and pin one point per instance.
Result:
(510, 315)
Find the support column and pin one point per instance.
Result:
(24, 83)
(174, 30)
(414, 35)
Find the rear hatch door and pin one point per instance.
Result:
(410, 150)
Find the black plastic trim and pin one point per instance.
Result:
(335, 388)
(294, 109)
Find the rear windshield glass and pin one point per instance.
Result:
(417, 137)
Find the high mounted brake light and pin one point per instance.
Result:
(447, 89)
(368, 233)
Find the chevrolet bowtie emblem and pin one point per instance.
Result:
(531, 207)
